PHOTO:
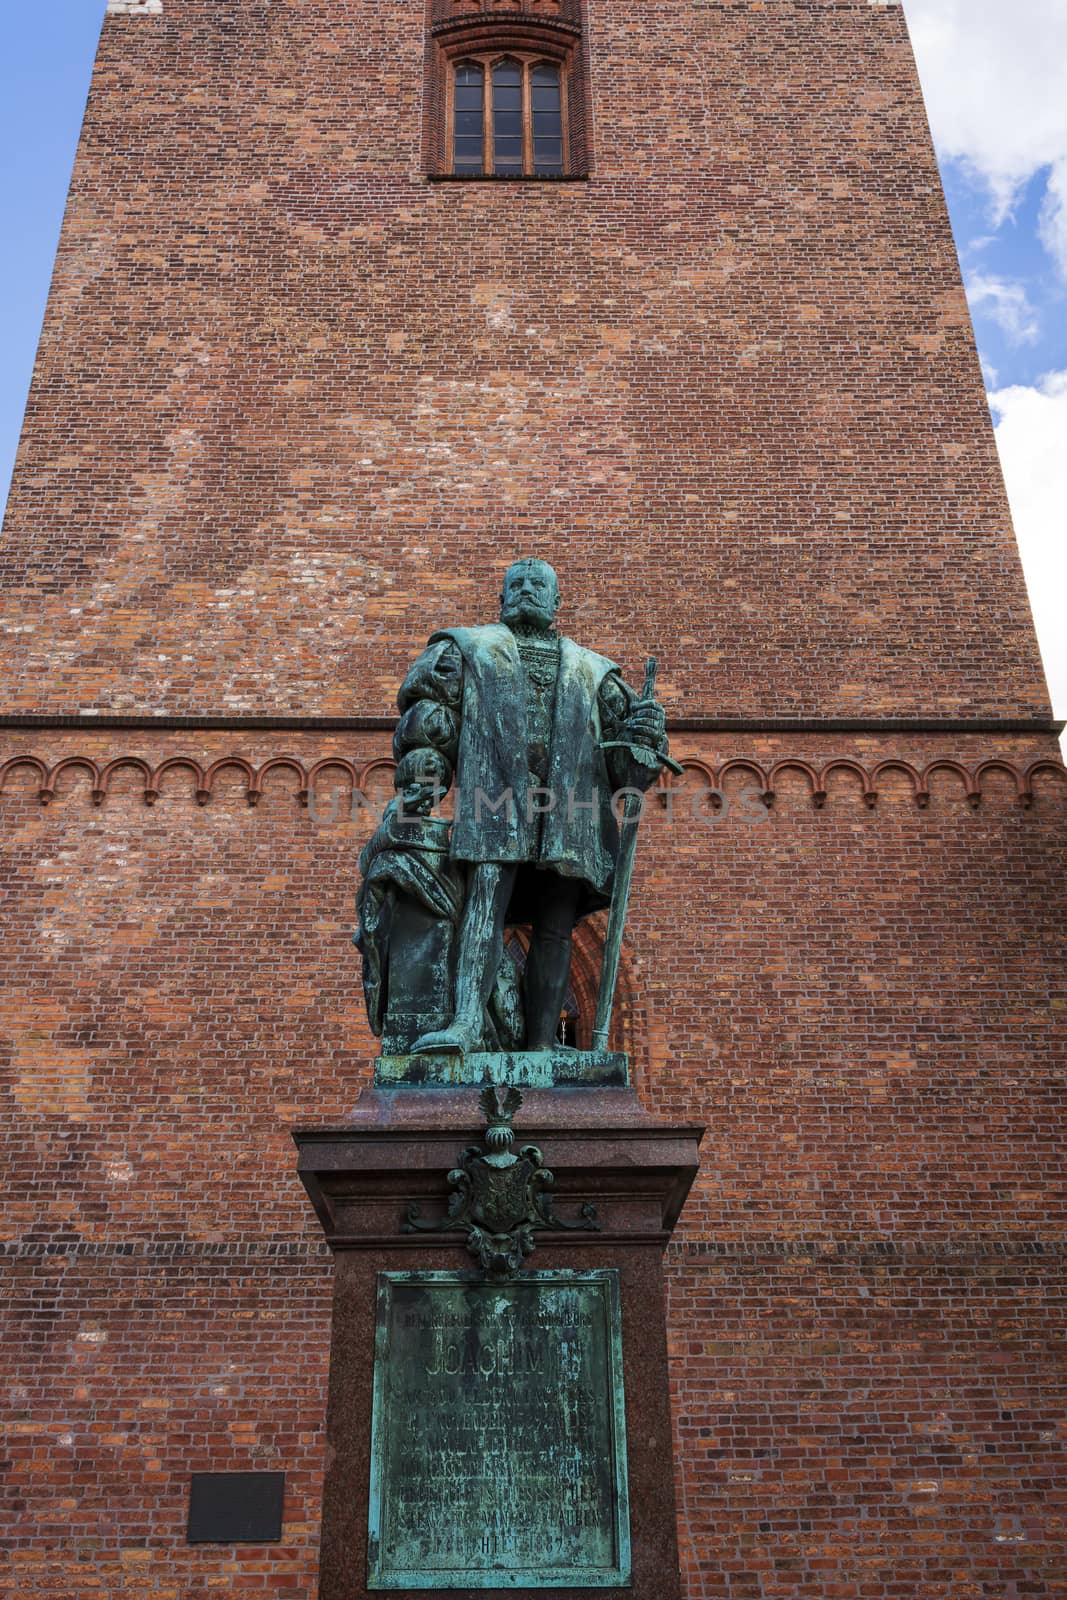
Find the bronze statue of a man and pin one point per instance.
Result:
(541, 733)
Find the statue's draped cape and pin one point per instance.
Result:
(578, 837)
(406, 856)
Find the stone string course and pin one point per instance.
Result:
(706, 1251)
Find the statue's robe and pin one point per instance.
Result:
(495, 818)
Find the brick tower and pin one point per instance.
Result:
(355, 302)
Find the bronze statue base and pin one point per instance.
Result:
(534, 1069)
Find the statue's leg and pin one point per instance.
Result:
(481, 945)
(548, 963)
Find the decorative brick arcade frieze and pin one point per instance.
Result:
(366, 776)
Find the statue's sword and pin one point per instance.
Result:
(624, 867)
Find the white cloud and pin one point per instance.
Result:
(993, 77)
(1053, 224)
(1031, 427)
(1006, 304)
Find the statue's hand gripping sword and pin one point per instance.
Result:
(620, 894)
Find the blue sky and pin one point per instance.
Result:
(46, 60)
(994, 74)
(1020, 337)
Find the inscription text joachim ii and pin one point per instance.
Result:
(522, 1352)
(497, 1432)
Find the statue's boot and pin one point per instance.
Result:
(457, 1040)
(548, 962)
(548, 968)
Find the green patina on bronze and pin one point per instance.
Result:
(539, 735)
(500, 1197)
(498, 1448)
(530, 1069)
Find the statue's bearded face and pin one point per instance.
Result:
(531, 595)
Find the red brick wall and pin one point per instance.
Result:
(136, 1366)
(295, 406)
(293, 402)
(860, 1001)
(862, 1423)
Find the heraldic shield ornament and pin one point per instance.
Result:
(499, 1198)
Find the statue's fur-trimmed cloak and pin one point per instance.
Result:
(579, 836)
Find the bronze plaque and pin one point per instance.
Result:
(498, 1451)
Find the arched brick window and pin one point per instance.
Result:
(506, 97)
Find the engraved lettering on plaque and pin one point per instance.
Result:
(498, 1451)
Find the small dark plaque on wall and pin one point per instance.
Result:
(498, 1442)
(236, 1507)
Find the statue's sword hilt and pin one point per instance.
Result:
(640, 752)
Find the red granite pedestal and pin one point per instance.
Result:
(398, 1148)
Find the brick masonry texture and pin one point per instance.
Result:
(294, 406)
(865, 1279)
(176, 968)
(288, 390)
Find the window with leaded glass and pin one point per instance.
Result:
(468, 117)
(508, 117)
(546, 117)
